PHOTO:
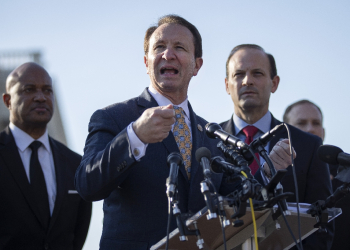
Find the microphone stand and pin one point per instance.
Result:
(250, 187)
(181, 222)
(258, 146)
(319, 208)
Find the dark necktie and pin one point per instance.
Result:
(182, 136)
(249, 132)
(38, 184)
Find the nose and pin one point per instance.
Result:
(39, 96)
(169, 54)
(247, 80)
(310, 128)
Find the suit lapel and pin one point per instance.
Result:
(229, 126)
(197, 140)
(59, 162)
(146, 101)
(14, 164)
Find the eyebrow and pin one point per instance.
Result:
(176, 43)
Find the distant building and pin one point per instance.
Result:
(9, 60)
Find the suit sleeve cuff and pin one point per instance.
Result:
(138, 148)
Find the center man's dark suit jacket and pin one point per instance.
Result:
(312, 175)
(135, 202)
(20, 223)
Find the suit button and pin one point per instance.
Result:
(46, 246)
(118, 169)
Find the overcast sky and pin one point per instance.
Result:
(94, 52)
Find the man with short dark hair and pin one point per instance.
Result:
(251, 77)
(307, 116)
(40, 208)
(125, 156)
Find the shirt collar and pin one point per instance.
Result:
(163, 101)
(263, 124)
(23, 140)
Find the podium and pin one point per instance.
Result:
(238, 238)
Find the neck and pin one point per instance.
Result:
(250, 116)
(35, 131)
(177, 96)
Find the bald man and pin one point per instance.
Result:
(308, 117)
(40, 208)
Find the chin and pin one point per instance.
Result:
(250, 104)
(40, 121)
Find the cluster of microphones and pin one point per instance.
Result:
(240, 156)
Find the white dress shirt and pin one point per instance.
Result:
(138, 148)
(23, 140)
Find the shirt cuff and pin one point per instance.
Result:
(138, 148)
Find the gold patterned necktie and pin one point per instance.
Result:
(182, 136)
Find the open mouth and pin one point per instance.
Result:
(168, 70)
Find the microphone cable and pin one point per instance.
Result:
(289, 229)
(253, 216)
(296, 190)
(295, 184)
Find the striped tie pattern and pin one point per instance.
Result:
(182, 136)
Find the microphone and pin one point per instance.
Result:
(203, 155)
(219, 165)
(174, 160)
(268, 136)
(333, 155)
(214, 130)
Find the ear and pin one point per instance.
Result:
(7, 100)
(275, 82)
(145, 60)
(226, 86)
(199, 63)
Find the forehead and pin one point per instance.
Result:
(171, 32)
(249, 59)
(305, 111)
(33, 75)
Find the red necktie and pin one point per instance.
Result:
(249, 132)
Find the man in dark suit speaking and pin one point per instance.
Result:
(125, 154)
(251, 77)
(40, 208)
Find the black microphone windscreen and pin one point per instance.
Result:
(175, 157)
(202, 152)
(329, 154)
(215, 164)
(210, 129)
